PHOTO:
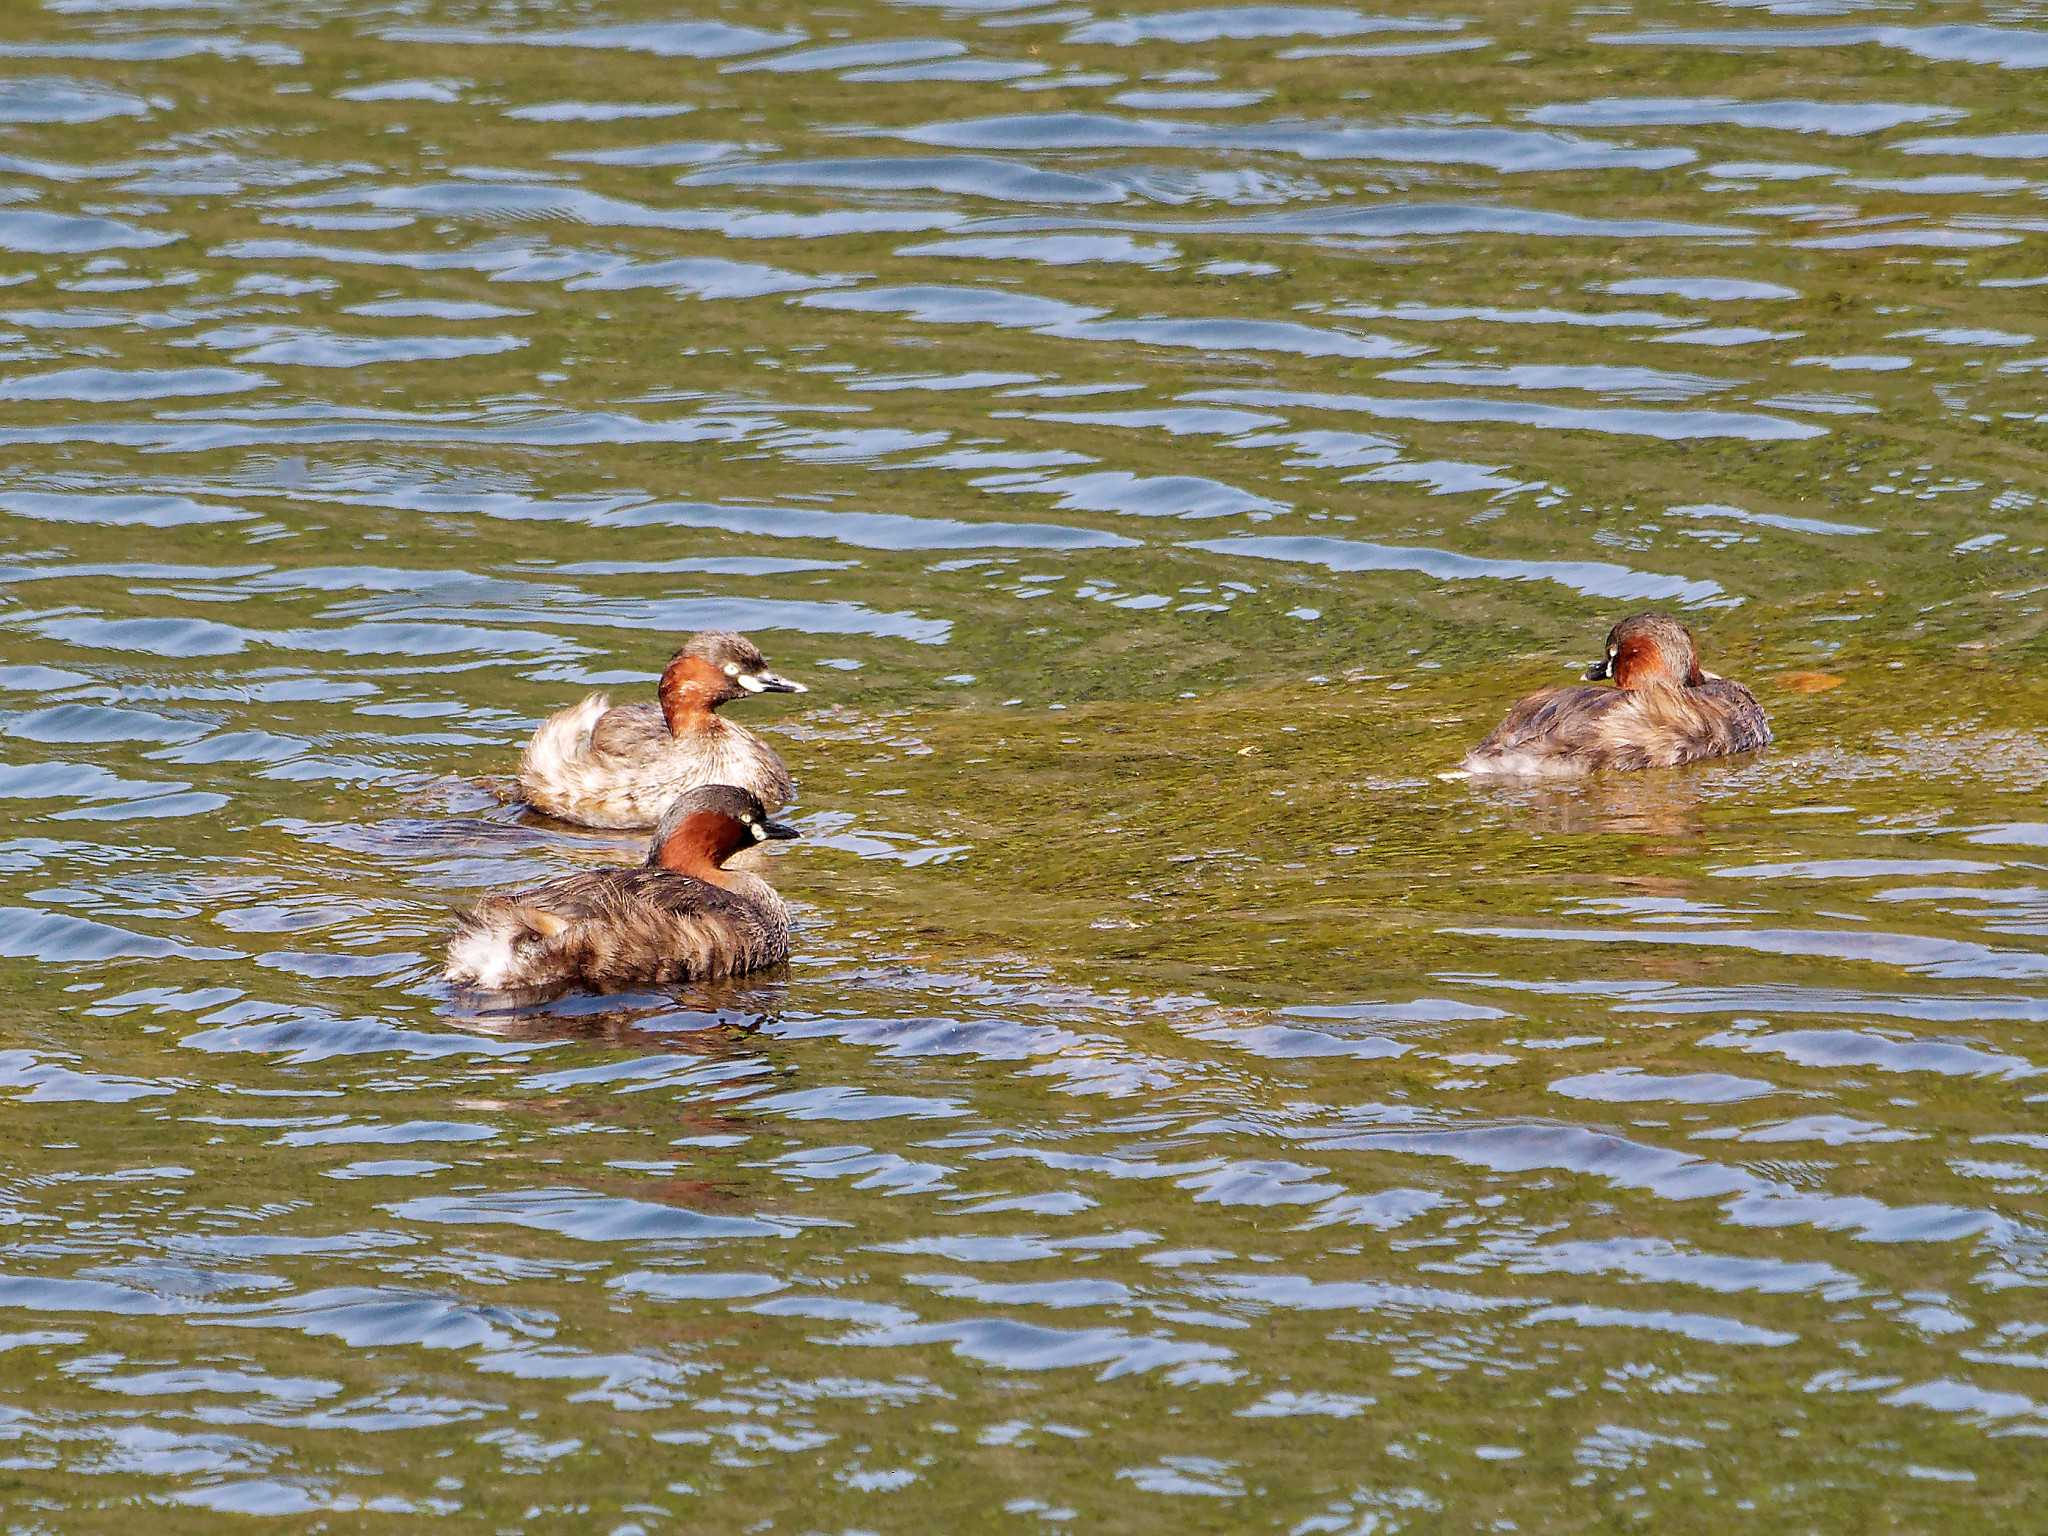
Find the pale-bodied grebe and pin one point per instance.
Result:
(603, 767)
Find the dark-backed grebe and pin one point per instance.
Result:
(681, 916)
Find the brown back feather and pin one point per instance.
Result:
(1552, 720)
(630, 728)
(1658, 726)
(644, 924)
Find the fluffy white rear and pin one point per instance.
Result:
(563, 739)
(1517, 764)
(483, 956)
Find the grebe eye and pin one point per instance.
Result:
(732, 669)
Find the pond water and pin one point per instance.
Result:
(1164, 439)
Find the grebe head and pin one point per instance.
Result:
(704, 827)
(715, 668)
(739, 661)
(1647, 648)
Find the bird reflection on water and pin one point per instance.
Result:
(1673, 809)
(710, 1019)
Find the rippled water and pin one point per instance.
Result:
(1163, 439)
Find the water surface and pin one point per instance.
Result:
(1163, 439)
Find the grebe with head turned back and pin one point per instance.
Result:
(1662, 711)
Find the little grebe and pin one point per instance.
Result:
(1662, 711)
(603, 767)
(681, 916)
